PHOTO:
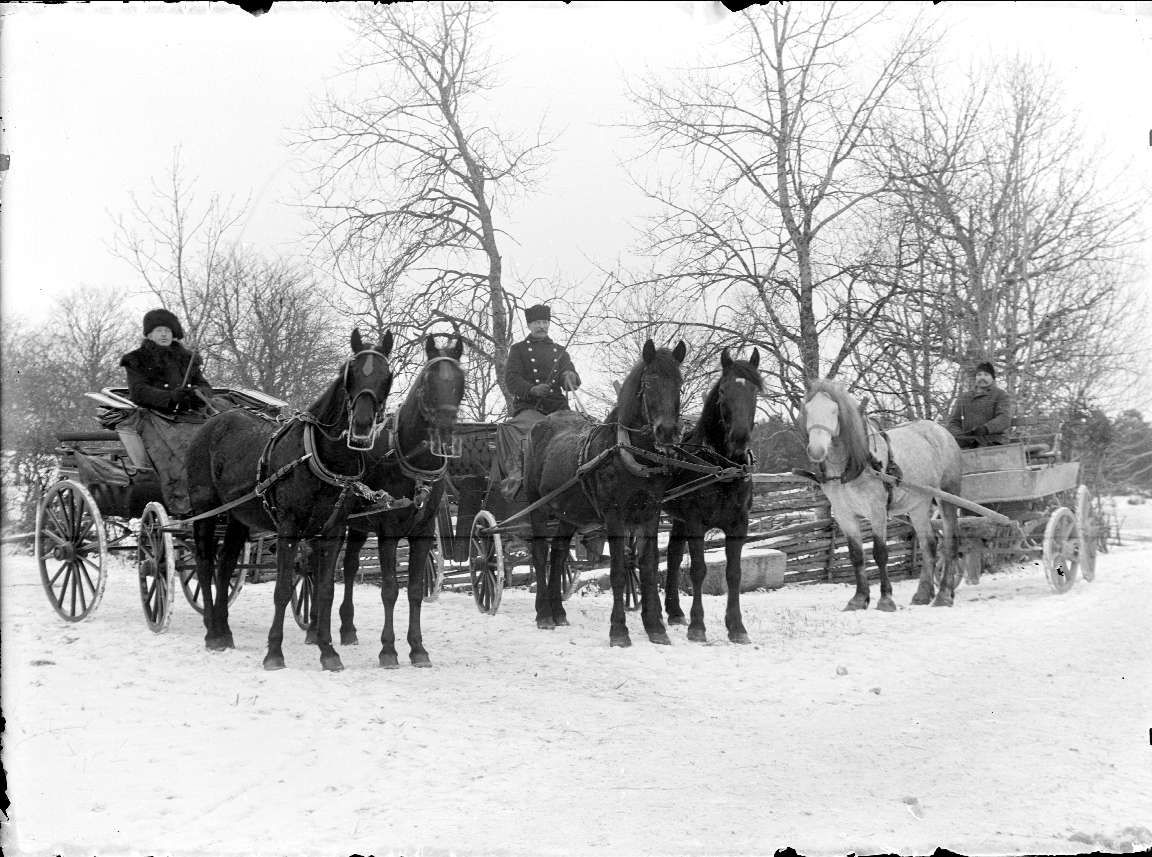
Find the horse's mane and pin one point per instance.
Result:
(709, 427)
(628, 408)
(328, 409)
(853, 434)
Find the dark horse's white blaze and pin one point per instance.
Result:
(844, 444)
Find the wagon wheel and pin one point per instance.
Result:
(1086, 522)
(434, 570)
(486, 563)
(569, 579)
(632, 577)
(71, 550)
(1062, 549)
(303, 593)
(156, 567)
(186, 567)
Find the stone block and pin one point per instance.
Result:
(760, 568)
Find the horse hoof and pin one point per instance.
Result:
(740, 638)
(219, 644)
(349, 638)
(887, 605)
(921, 599)
(560, 621)
(660, 638)
(697, 635)
(389, 661)
(674, 619)
(422, 661)
(942, 602)
(274, 662)
(310, 638)
(546, 624)
(856, 604)
(622, 641)
(332, 663)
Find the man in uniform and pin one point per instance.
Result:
(981, 416)
(538, 374)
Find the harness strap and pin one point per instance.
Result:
(338, 480)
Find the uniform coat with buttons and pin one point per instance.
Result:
(155, 372)
(538, 361)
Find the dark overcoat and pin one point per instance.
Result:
(155, 373)
(991, 408)
(538, 361)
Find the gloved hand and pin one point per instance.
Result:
(183, 398)
(980, 431)
(571, 380)
(540, 390)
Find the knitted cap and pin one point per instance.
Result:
(985, 367)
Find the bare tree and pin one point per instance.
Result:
(412, 173)
(773, 147)
(1023, 248)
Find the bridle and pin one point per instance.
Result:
(642, 395)
(350, 402)
(429, 414)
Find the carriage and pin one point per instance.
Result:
(105, 500)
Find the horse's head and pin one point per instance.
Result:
(821, 424)
(367, 380)
(439, 391)
(833, 417)
(735, 402)
(650, 395)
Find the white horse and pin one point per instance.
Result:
(852, 454)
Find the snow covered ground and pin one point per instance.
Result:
(1017, 721)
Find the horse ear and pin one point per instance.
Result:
(357, 342)
(386, 343)
(430, 347)
(680, 351)
(458, 350)
(649, 351)
(725, 359)
(754, 360)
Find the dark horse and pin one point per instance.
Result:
(603, 482)
(410, 464)
(719, 439)
(297, 479)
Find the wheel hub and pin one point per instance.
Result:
(64, 553)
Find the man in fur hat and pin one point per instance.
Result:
(982, 415)
(159, 376)
(164, 378)
(538, 374)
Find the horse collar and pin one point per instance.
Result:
(316, 466)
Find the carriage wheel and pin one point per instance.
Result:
(71, 550)
(303, 594)
(486, 563)
(434, 570)
(1062, 549)
(156, 567)
(569, 580)
(632, 577)
(190, 583)
(1086, 521)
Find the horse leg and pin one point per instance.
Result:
(880, 555)
(539, 537)
(946, 594)
(648, 557)
(733, 550)
(418, 547)
(204, 544)
(676, 542)
(926, 539)
(235, 534)
(617, 549)
(557, 562)
(352, 548)
(851, 527)
(698, 571)
(286, 549)
(389, 592)
(328, 549)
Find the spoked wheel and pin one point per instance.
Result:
(632, 577)
(434, 570)
(569, 579)
(190, 583)
(486, 563)
(1086, 521)
(303, 593)
(71, 550)
(156, 567)
(1062, 549)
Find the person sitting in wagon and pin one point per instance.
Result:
(166, 380)
(538, 374)
(982, 415)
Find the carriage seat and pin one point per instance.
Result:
(1040, 435)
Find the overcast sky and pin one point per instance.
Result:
(96, 97)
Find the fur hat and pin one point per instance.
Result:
(162, 318)
(540, 312)
(985, 367)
